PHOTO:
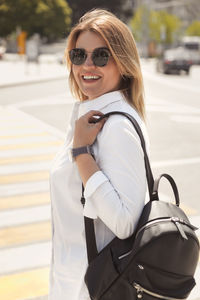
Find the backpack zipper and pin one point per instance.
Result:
(177, 221)
(125, 254)
(141, 290)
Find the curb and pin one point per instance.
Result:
(41, 298)
(13, 84)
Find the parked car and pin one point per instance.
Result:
(60, 57)
(2, 51)
(2, 48)
(174, 61)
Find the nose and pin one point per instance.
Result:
(88, 61)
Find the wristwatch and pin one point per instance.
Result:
(74, 152)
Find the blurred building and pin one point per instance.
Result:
(186, 10)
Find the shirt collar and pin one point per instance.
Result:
(82, 107)
(100, 102)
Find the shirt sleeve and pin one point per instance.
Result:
(116, 194)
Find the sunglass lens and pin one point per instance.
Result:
(77, 56)
(100, 57)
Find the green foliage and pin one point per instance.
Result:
(50, 18)
(193, 29)
(164, 26)
(137, 23)
(122, 8)
(158, 26)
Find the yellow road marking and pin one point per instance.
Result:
(188, 210)
(31, 145)
(29, 284)
(24, 177)
(19, 201)
(23, 135)
(24, 159)
(19, 126)
(25, 234)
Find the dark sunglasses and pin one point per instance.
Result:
(100, 56)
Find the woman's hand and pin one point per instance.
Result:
(86, 130)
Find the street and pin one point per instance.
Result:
(33, 123)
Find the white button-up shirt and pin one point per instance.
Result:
(114, 196)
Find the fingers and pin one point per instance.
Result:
(100, 123)
(94, 116)
(93, 113)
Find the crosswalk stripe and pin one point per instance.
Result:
(25, 168)
(24, 188)
(188, 210)
(18, 201)
(21, 126)
(25, 285)
(27, 140)
(24, 177)
(24, 159)
(26, 215)
(20, 235)
(25, 257)
(28, 152)
(22, 131)
(23, 135)
(26, 149)
(31, 145)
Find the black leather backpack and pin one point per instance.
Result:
(157, 262)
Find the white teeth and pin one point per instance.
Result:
(91, 77)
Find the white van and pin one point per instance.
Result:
(192, 44)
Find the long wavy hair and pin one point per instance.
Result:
(122, 46)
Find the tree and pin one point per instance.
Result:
(122, 8)
(193, 29)
(158, 26)
(50, 18)
(164, 27)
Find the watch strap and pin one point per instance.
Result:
(82, 150)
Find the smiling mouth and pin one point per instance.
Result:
(90, 77)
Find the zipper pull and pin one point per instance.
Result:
(179, 227)
(139, 290)
(189, 224)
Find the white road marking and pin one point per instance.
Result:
(176, 162)
(26, 257)
(25, 216)
(39, 123)
(171, 83)
(25, 167)
(24, 188)
(16, 131)
(28, 140)
(186, 119)
(27, 152)
(195, 220)
(64, 98)
(180, 109)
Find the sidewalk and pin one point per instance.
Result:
(14, 70)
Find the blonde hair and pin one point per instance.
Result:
(121, 44)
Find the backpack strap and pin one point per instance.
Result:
(173, 185)
(153, 194)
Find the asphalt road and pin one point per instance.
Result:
(34, 118)
(173, 120)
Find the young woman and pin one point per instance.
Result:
(105, 76)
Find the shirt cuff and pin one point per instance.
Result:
(97, 179)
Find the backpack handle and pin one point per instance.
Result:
(173, 185)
